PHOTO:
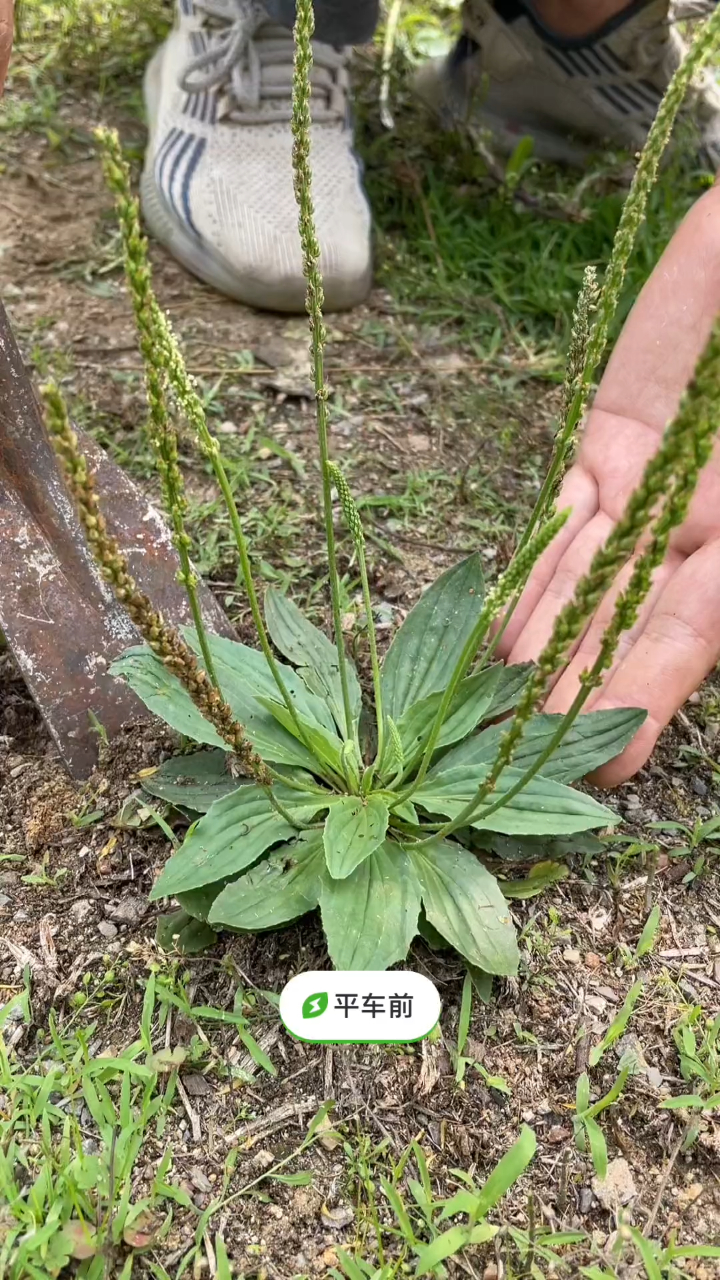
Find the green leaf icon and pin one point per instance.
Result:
(315, 1005)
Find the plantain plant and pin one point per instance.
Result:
(385, 806)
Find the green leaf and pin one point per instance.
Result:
(325, 744)
(647, 1250)
(430, 934)
(467, 709)
(683, 1102)
(619, 1024)
(542, 807)
(540, 848)
(464, 903)
(178, 931)
(540, 877)
(510, 685)
(445, 1246)
(310, 649)
(164, 695)
(646, 941)
(465, 1012)
(371, 917)
(482, 983)
(598, 1147)
(354, 827)
(233, 835)
(509, 1168)
(194, 781)
(426, 649)
(594, 738)
(198, 902)
(282, 887)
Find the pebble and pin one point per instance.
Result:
(617, 1187)
(107, 929)
(4, 900)
(593, 960)
(632, 800)
(82, 910)
(585, 1202)
(9, 878)
(572, 956)
(699, 787)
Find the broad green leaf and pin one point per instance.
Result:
(242, 671)
(430, 935)
(282, 887)
(467, 709)
(539, 848)
(445, 1246)
(593, 739)
(371, 917)
(354, 827)
(482, 983)
(325, 745)
(164, 695)
(543, 807)
(425, 650)
(540, 877)
(683, 1102)
(194, 781)
(312, 652)
(180, 931)
(233, 835)
(462, 900)
(166, 698)
(197, 902)
(510, 685)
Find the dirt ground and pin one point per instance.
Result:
(457, 448)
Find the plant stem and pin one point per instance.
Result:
(302, 181)
(355, 528)
(162, 434)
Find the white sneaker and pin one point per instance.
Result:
(570, 95)
(217, 188)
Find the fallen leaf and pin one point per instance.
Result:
(142, 1232)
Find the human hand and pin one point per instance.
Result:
(676, 640)
(6, 35)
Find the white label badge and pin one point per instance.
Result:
(331, 1007)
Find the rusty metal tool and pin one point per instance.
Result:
(59, 618)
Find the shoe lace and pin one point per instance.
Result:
(251, 61)
(654, 50)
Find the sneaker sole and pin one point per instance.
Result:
(200, 260)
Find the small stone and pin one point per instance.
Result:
(263, 1159)
(699, 787)
(4, 900)
(107, 929)
(200, 1180)
(9, 878)
(695, 699)
(593, 960)
(558, 1134)
(632, 800)
(571, 955)
(129, 910)
(196, 1086)
(342, 1216)
(227, 429)
(82, 910)
(490, 1272)
(330, 1258)
(617, 1187)
(654, 1077)
(585, 1201)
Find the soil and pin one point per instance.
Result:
(408, 405)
